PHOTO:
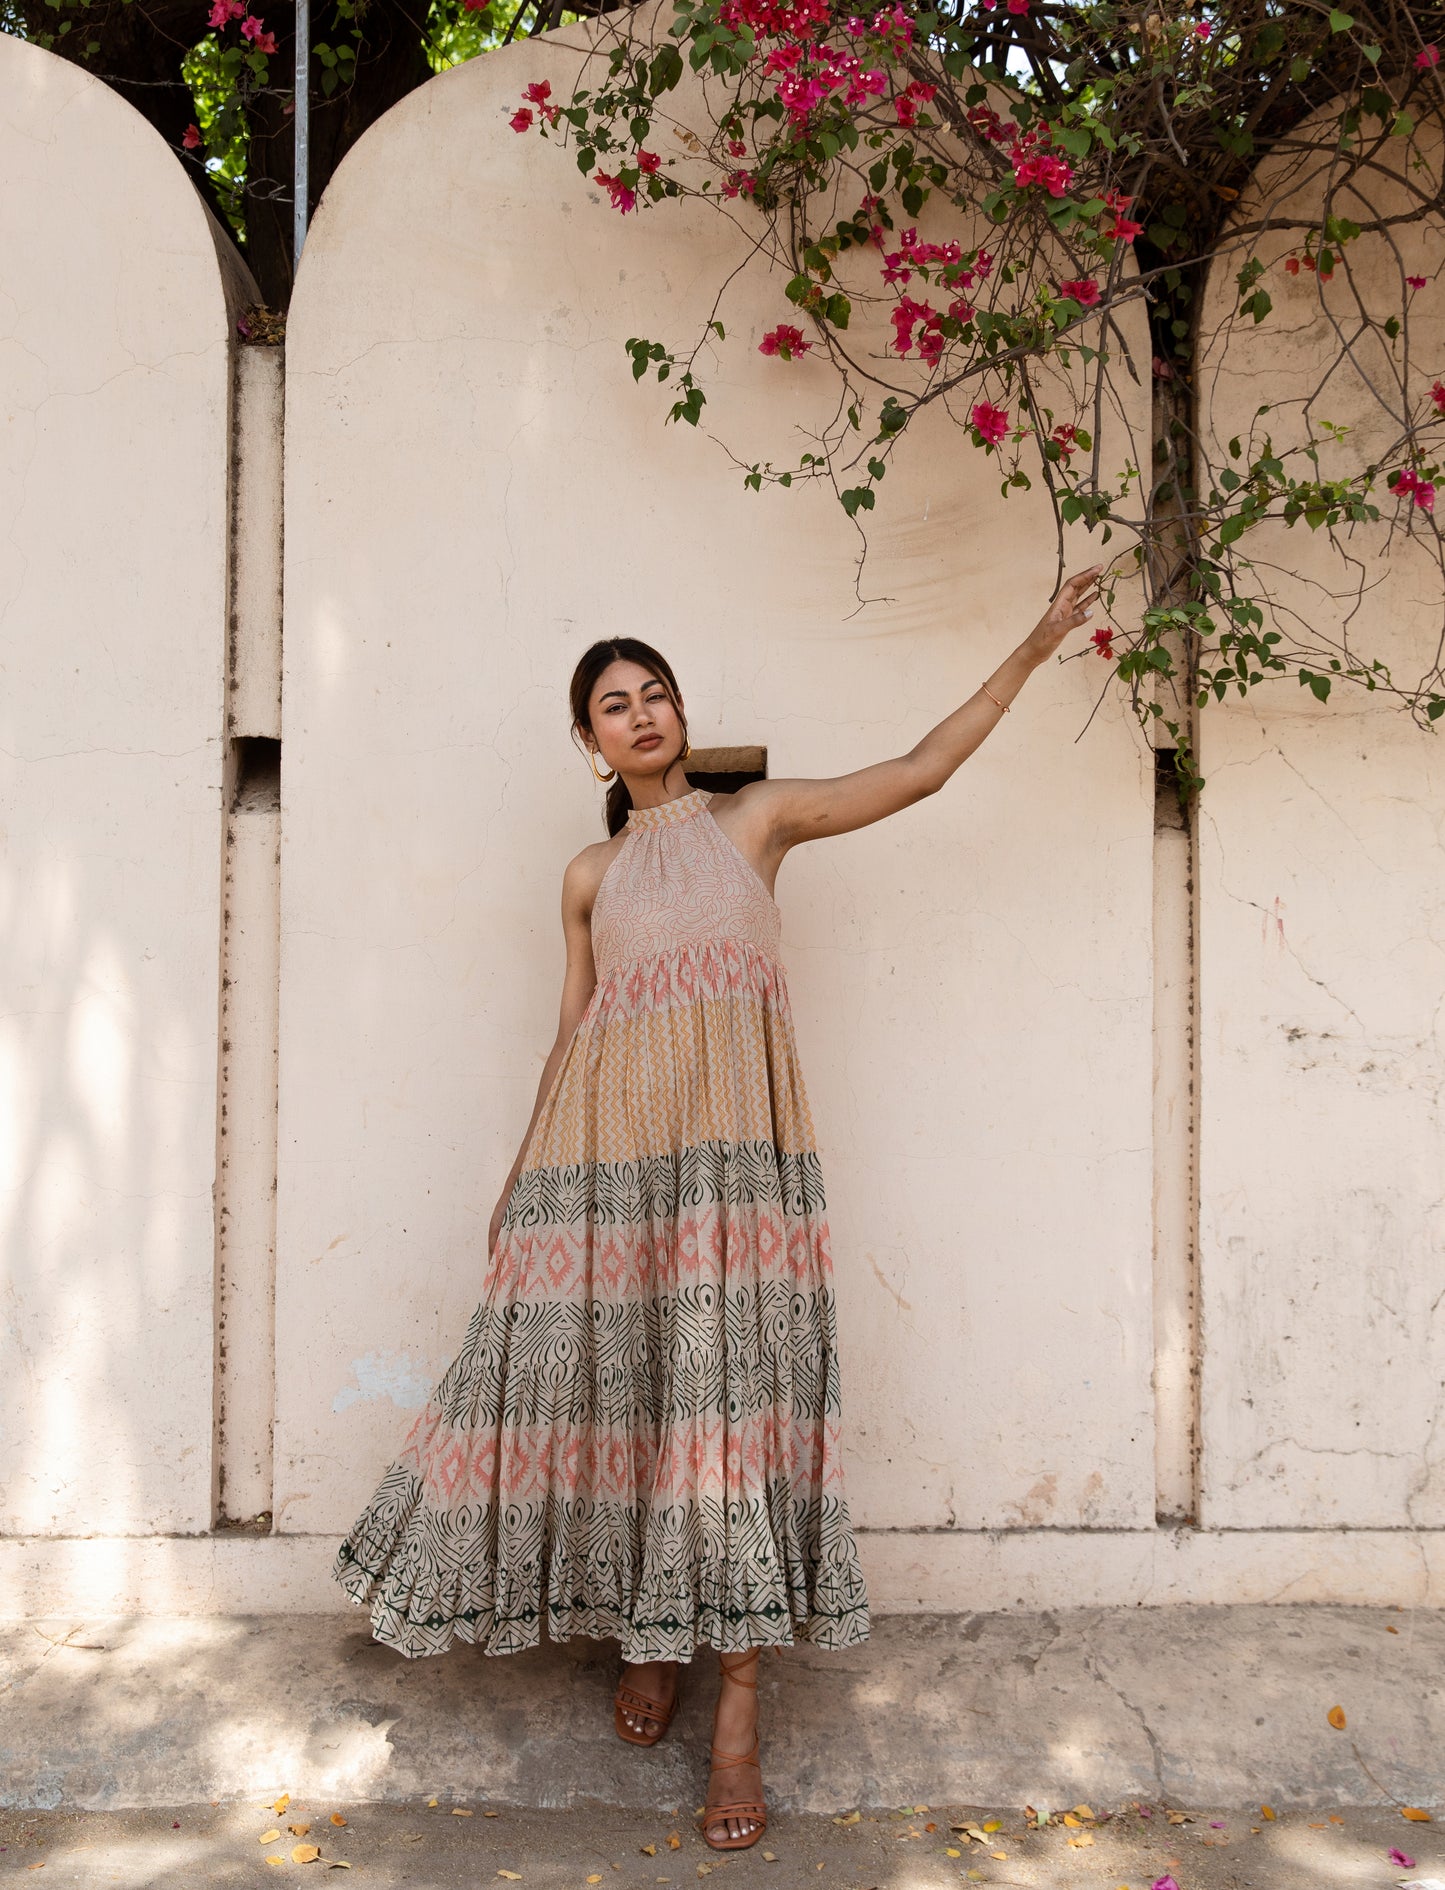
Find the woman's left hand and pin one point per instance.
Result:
(1070, 609)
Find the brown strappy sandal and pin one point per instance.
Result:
(718, 1815)
(654, 1711)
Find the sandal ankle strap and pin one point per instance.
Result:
(733, 1674)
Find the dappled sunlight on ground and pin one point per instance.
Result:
(449, 1844)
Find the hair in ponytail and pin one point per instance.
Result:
(590, 666)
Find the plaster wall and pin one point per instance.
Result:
(114, 388)
(475, 490)
(1322, 940)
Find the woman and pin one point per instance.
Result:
(639, 1436)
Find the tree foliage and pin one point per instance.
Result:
(1074, 161)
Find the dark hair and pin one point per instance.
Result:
(590, 666)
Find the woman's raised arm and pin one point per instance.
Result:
(788, 812)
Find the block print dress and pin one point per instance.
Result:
(639, 1438)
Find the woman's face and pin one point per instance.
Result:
(635, 727)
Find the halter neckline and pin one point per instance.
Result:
(683, 807)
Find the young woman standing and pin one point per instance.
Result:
(639, 1439)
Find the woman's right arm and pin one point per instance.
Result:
(579, 885)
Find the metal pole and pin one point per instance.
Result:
(303, 128)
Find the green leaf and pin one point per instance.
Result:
(854, 497)
(837, 309)
(1340, 22)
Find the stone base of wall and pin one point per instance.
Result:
(908, 1573)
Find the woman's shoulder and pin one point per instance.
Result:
(585, 871)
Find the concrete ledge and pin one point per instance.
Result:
(951, 1571)
(1219, 1706)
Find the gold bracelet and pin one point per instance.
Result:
(993, 698)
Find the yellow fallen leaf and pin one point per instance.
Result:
(336, 1818)
(1002, 1856)
(994, 1824)
(704, 1870)
(674, 1842)
(274, 1859)
(281, 1803)
(298, 1830)
(1084, 1837)
(268, 1837)
(305, 1854)
(951, 1852)
(497, 1814)
(769, 1858)
(1336, 1717)
(458, 1812)
(1082, 1811)
(512, 1876)
(1391, 1630)
(596, 1878)
(1335, 1818)
(1266, 1811)
(1414, 1814)
(853, 1817)
(337, 1863)
(1071, 1820)
(431, 1802)
(649, 1850)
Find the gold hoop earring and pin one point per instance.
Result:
(592, 764)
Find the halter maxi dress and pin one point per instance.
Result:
(639, 1437)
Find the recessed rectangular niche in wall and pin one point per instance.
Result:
(725, 770)
(256, 771)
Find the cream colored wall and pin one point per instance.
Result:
(114, 379)
(474, 488)
(1322, 954)
(477, 489)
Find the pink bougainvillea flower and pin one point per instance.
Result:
(1041, 167)
(538, 93)
(521, 119)
(623, 199)
(1018, 6)
(1203, 29)
(906, 104)
(647, 162)
(251, 28)
(990, 421)
(225, 11)
(1064, 438)
(784, 340)
(191, 137)
(1166, 1882)
(1437, 394)
(1102, 639)
(1426, 57)
(736, 148)
(1082, 289)
(1123, 229)
(1416, 282)
(1401, 1860)
(1291, 265)
(477, 6)
(1407, 482)
(739, 184)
